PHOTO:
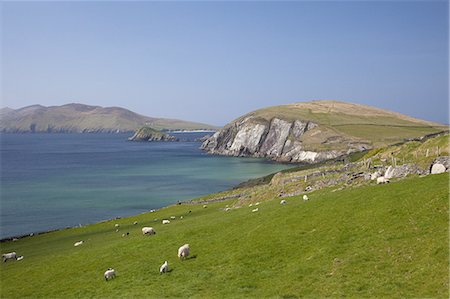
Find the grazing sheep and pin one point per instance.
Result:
(173, 217)
(151, 211)
(15, 239)
(148, 231)
(283, 202)
(250, 205)
(305, 197)
(135, 222)
(20, 258)
(382, 180)
(125, 234)
(116, 225)
(110, 273)
(183, 251)
(257, 204)
(255, 210)
(117, 230)
(9, 256)
(181, 217)
(78, 243)
(205, 206)
(165, 221)
(227, 209)
(164, 268)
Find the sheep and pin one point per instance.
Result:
(283, 202)
(135, 223)
(305, 197)
(164, 268)
(181, 217)
(255, 210)
(116, 225)
(382, 180)
(20, 258)
(183, 251)
(227, 209)
(173, 217)
(250, 205)
(125, 234)
(165, 221)
(257, 204)
(78, 243)
(205, 206)
(9, 256)
(148, 231)
(110, 273)
(152, 210)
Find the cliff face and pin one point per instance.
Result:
(149, 134)
(276, 139)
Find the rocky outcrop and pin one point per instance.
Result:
(150, 134)
(440, 165)
(277, 139)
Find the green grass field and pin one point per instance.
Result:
(375, 241)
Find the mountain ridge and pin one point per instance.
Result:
(81, 118)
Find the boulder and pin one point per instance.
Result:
(437, 168)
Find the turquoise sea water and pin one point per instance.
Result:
(51, 181)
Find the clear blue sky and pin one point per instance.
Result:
(213, 61)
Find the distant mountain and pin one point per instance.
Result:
(79, 118)
(315, 131)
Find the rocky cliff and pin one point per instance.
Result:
(149, 134)
(312, 132)
(276, 139)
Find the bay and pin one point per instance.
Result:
(52, 181)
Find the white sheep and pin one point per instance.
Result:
(283, 202)
(165, 221)
(255, 210)
(152, 210)
(148, 231)
(183, 251)
(227, 209)
(250, 205)
(110, 273)
(257, 204)
(205, 206)
(382, 180)
(116, 225)
(135, 222)
(78, 243)
(9, 256)
(305, 197)
(173, 217)
(20, 258)
(164, 268)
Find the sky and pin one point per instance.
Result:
(214, 61)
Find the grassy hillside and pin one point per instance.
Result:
(374, 241)
(84, 118)
(349, 121)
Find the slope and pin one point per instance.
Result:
(374, 241)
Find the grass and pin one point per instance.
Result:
(375, 241)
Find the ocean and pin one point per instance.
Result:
(53, 181)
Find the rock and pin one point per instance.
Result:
(437, 168)
(274, 142)
(444, 160)
(149, 134)
(375, 175)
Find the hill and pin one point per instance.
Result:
(79, 118)
(315, 131)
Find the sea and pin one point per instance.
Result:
(54, 181)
